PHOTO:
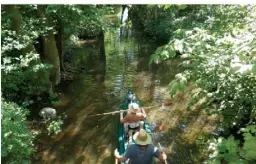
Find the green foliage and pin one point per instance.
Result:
(221, 59)
(17, 141)
(53, 98)
(179, 84)
(154, 20)
(92, 23)
(230, 151)
(90, 29)
(55, 126)
(24, 68)
(249, 149)
(20, 82)
(23, 75)
(181, 7)
(217, 43)
(160, 21)
(162, 53)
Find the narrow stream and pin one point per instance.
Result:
(122, 64)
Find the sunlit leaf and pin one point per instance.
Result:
(167, 6)
(171, 51)
(181, 7)
(159, 50)
(254, 68)
(178, 45)
(150, 6)
(164, 54)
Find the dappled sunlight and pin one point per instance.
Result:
(48, 157)
(106, 153)
(69, 71)
(144, 85)
(88, 140)
(87, 154)
(79, 136)
(170, 116)
(162, 127)
(181, 127)
(194, 129)
(171, 147)
(143, 80)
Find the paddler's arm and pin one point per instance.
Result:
(122, 119)
(119, 157)
(161, 156)
(143, 113)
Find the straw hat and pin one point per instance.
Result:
(133, 107)
(142, 137)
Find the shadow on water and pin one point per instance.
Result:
(110, 68)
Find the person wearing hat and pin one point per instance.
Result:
(134, 120)
(142, 152)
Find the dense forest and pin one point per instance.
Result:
(32, 60)
(216, 45)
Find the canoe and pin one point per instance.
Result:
(122, 137)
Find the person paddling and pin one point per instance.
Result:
(142, 152)
(134, 120)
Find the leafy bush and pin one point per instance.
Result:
(21, 82)
(55, 126)
(89, 29)
(23, 75)
(160, 21)
(219, 52)
(221, 62)
(17, 141)
(153, 20)
(231, 151)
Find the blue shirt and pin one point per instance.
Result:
(139, 155)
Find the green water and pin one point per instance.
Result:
(108, 71)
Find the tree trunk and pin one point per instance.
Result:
(15, 16)
(102, 46)
(50, 50)
(51, 56)
(102, 56)
(59, 40)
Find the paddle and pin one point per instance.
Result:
(118, 111)
(162, 151)
(102, 114)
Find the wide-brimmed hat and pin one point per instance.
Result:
(133, 107)
(142, 137)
